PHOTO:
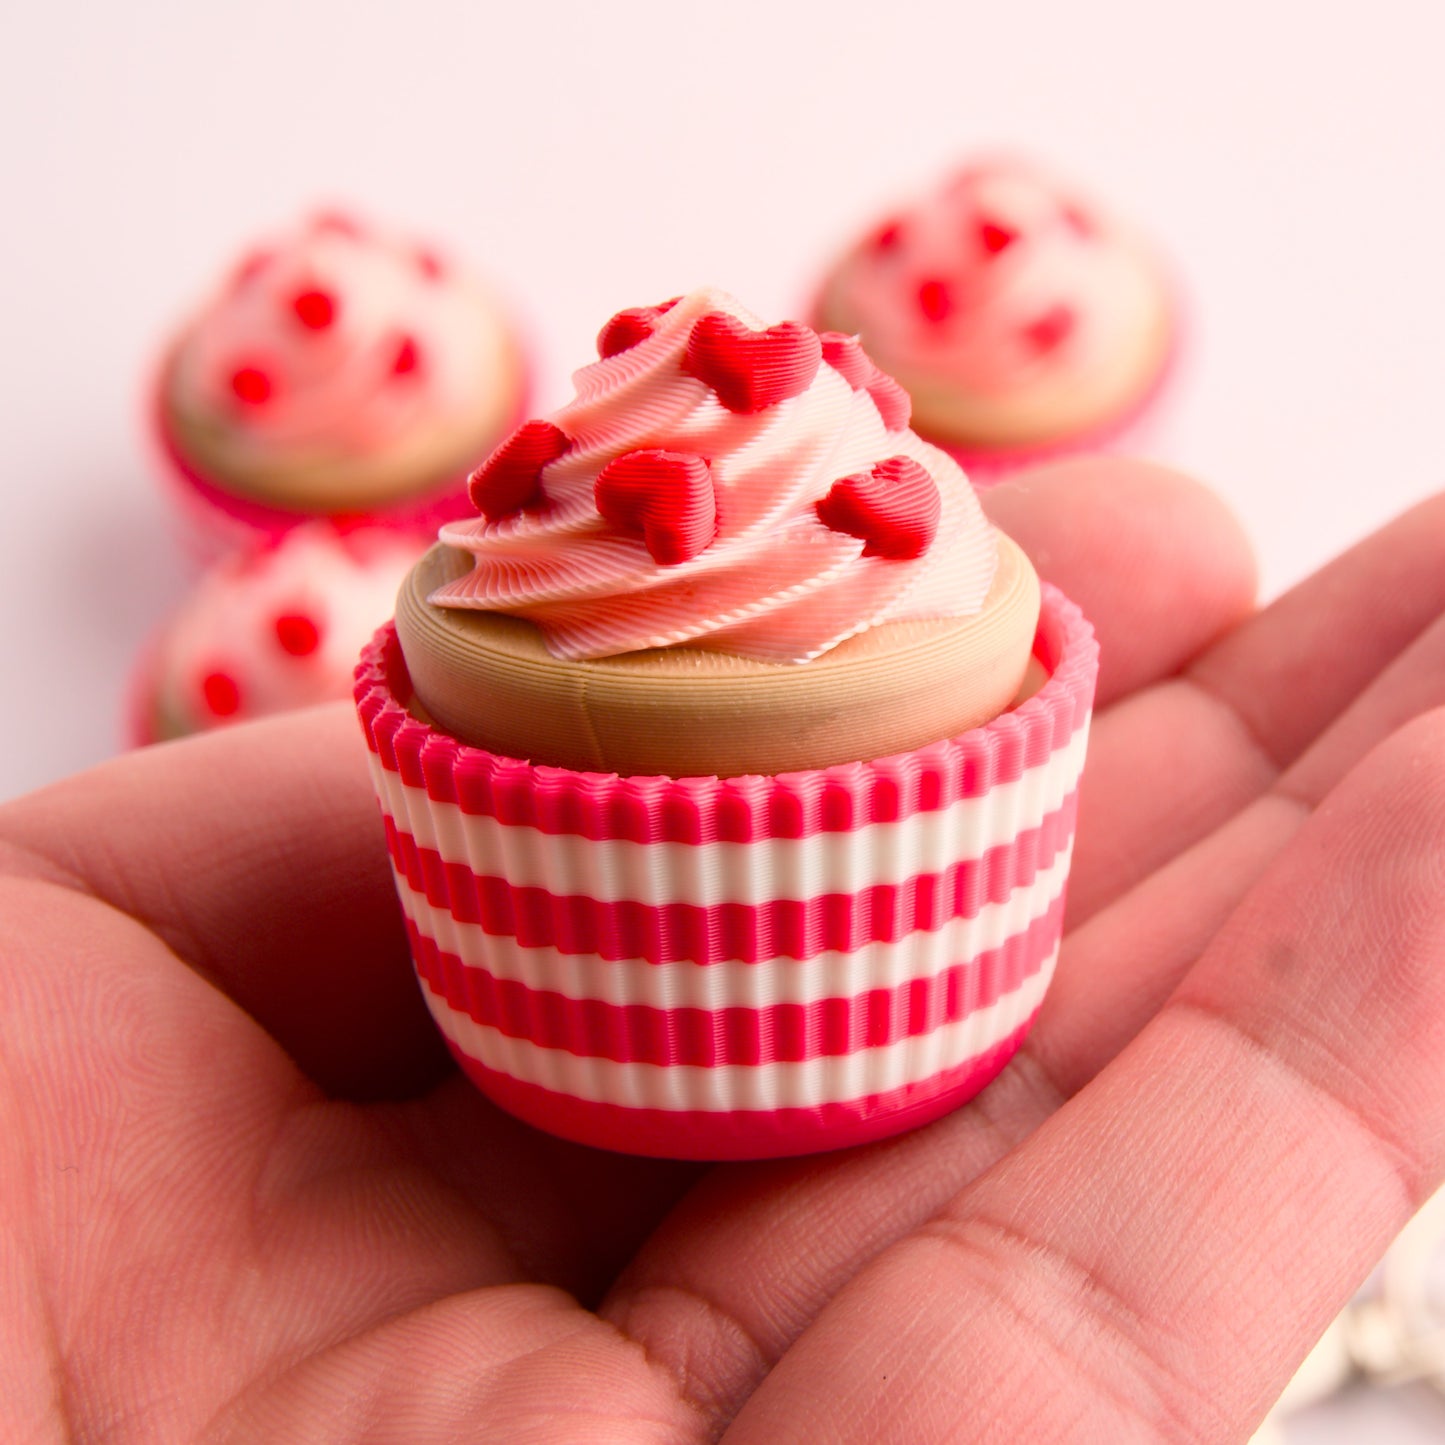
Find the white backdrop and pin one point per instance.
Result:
(594, 155)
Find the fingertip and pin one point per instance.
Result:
(1155, 558)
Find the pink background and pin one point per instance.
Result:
(591, 156)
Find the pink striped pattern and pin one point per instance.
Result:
(738, 967)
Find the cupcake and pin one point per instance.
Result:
(728, 757)
(265, 631)
(1022, 320)
(338, 369)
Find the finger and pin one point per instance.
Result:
(1155, 560)
(748, 1260)
(1154, 1261)
(257, 855)
(1170, 764)
(1117, 969)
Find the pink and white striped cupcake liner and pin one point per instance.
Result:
(746, 967)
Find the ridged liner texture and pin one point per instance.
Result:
(744, 967)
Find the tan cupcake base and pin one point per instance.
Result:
(489, 680)
(327, 481)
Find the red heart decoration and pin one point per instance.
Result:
(666, 496)
(995, 236)
(511, 478)
(894, 508)
(847, 357)
(935, 299)
(894, 404)
(627, 328)
(1051, 329)
(752, 370)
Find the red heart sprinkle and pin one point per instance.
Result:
(894, 508)
(847, 357)
(1050, 329)
(887, 236)
(935, 299)
(251, 385)
(251, 267)
(1076, 219)
(666, 496)
(221, 694)
(752, 370)
(511, 478)
(996, 237)
(407, 357)
(629, 327)
(430, 265)
(894, 404)
(315, 309)
(298, 634)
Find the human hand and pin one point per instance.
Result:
(244, 1197)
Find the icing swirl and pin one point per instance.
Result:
(338, 340)
(754, 491)
(999, 279)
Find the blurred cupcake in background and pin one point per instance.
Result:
(338, 369)
(270, 629)
(1021, 319)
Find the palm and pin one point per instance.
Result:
(202, 1241)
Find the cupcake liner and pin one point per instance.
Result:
(216, 521)
(744, 967)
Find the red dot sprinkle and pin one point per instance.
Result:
(430, 265)
(996, 237)
(251, 267)
(315, 309)
(935, 300)
(1050, 329)
(298, 634)
(222, 695)
(251, 385)
(407, 358)
(887, 237)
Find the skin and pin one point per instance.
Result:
(244, 1197)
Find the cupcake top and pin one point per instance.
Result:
(749, 489)
(728, 555)
(1012, 309)
(276, 629)
(339, 364)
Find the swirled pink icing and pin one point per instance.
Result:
(338, 338)
(998, 277)
(754, 490)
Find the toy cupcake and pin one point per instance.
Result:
(728, 757)
(338, 370)
(265, 631)
(1022, 320)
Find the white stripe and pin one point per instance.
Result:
(732, 984)
(706, 874)
(806, 1084)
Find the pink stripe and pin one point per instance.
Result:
(751, 933)
(774, 1033)
(698, 810)
(742, 1134)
